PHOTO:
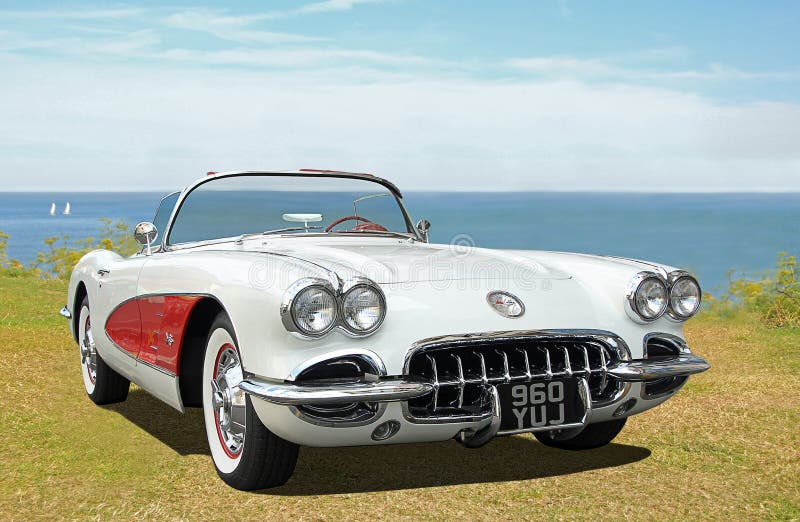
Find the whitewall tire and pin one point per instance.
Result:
(246, 454)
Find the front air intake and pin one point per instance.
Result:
(344, 369)
(662, 347)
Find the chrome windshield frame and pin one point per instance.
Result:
(398, 196)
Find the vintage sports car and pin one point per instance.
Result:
(305, 308)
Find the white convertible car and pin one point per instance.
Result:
(305, 308)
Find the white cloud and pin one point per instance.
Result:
(89, 14)
(159, 127)
(294, 58)
(117, 45)
(334, 5)
(568, 67)
(233, 28)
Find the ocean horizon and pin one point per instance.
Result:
(706, 233)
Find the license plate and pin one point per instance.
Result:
(527, 406)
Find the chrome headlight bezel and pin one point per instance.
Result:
(287, 310)
(673, 279)
(339, 290)
(347, 289)
(633, 288)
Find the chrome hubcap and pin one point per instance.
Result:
(228, 401)
(88, 352)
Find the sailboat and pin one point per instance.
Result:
(52, 209)
(66, 209)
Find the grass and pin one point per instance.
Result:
(727, 447)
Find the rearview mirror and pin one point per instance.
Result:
(423, 225)
(145, 234)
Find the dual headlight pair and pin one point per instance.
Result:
(650, 296)
(313, 307)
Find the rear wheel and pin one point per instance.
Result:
(102, 383)
(246, 454)
(592, 436)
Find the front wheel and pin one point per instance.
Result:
(246, 455)
(103, 385)
(592, 436)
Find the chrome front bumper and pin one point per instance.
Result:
(393, 389)
(286, 394)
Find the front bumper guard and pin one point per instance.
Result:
(286, 394)
(644, 370)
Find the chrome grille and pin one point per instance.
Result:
(462, 369)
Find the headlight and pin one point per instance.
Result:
(647, 297)
(684, 296)
(312, 307)
(363, 309)
(309, 308)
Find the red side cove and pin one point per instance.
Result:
(152, 328)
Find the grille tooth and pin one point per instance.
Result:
(461, 382)
(527, 362)
(435, 381)
(462, 373)
(567, 365)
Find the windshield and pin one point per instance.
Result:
(285, 204)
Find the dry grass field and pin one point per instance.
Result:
(727, 447)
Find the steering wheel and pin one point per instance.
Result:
(366, 225)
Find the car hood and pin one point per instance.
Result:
(404, 261)
(401, 262)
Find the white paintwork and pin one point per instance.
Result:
(430, 289)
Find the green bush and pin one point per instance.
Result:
(774, 296)
(63, 253)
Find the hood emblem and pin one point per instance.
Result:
(505, 304)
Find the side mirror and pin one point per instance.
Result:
(145, 234)
(423, 225)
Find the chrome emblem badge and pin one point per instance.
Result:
(169, 338)
(505, 304)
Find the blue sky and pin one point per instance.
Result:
(550, 95)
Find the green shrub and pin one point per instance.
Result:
(63, 253)
(774, 296)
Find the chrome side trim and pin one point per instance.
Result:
(65, 313)
(297, 394)
(643, 370)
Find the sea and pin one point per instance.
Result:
(707, 234)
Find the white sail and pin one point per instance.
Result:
(66, 209)
(52, 209)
